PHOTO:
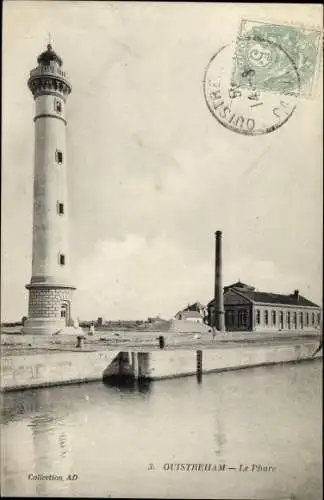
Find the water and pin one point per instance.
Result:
(108, 437)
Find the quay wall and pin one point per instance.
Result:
(55, 368)
(169, 364)
(42, 370)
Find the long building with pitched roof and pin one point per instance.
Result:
(248, 309)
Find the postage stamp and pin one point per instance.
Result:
(277, 58)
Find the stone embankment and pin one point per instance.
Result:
(29, 361)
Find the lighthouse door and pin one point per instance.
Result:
(65, 311)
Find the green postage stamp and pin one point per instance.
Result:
(276, 58)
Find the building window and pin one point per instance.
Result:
(273, 318)
(62, 259)
(58, 157)
(281, 320)
(313, 319)
(288, 320)
(242, 319)
(301, 320)
(295, 319)
(58, 106)
(229, 318)
(307, 319)
(257, 316)
(60, 208)
(266, 317)
(318, 319)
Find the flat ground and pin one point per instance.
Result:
(19, 344)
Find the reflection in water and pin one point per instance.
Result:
(62, 444)
(41, 432)
(219, 421)
(108, 435)
(15, 405)
(128, 384)
(220, 437)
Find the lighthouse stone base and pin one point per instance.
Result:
(49, 309)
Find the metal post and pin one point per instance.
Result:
(161, 342)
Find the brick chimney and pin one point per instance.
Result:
(219, 320)
(296, 294)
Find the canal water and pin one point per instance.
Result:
(254, 433)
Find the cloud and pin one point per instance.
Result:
(137, 278)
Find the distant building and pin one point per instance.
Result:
(154, 319)
(195, 312)
(197, 306)
(248, 309)
(194, 316)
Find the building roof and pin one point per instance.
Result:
(189, 314)
(239, 284)
(276, 298)
(293, 299)
(197, 306)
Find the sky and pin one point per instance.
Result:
(151, 173)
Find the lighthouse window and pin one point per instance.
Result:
(62, 259)
(60, 208)
(58, 106)
(59, 156)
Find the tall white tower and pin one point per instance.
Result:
(50, 289)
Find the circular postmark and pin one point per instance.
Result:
(251, 87)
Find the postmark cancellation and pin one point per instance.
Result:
(252, 85)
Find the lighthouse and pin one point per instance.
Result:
(50, 288)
